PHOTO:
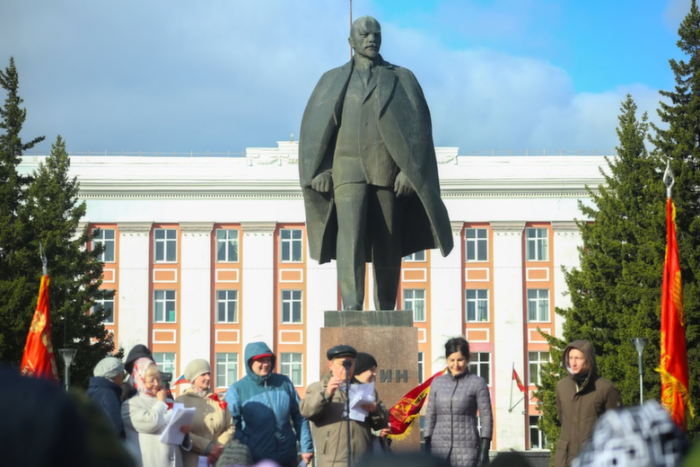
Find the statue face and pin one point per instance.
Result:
(366, 37)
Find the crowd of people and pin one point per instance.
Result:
(262, 421)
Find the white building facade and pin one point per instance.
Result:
(207, 254)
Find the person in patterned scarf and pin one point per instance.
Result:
(146, 416)
(212, 426)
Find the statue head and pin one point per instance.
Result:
(366, 37)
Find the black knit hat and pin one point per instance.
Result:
(363, 362)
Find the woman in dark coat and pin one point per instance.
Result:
(450, 423)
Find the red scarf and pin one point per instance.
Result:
(222, 404)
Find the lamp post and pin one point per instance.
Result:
(68, 356)
(639, 343)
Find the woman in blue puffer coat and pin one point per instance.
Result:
(262, 404)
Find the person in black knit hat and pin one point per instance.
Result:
(366, 372)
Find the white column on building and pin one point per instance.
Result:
(509, 330)
(134, 267)
(195, 289)
(567, 239)
(446, 295)
(321, 296)
(258, 301)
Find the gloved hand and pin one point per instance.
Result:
(483, 459)
(427, 445)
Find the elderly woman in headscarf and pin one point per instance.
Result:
(145, 417)
(212, 426)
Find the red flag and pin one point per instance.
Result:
(38, 359)
(403, 414)
(520, 384)
(674, 358)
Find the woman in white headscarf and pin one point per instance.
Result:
(145, 417)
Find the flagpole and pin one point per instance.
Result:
(351, 27)
(511, 386)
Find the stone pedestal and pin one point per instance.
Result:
(389, 336)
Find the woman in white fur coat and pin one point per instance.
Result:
(145, 417)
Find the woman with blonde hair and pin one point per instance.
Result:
(212, 426)
(145, 417)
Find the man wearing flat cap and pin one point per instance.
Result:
(324, 406)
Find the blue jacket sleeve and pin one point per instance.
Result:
(301, 425)
(234, 405)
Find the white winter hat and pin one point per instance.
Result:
(109, 368)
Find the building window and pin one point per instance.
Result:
(477, 305)
(165, 362)
(291, 243)
(226, 245)
(421, 367)
(291, 306)
(536, 244)
(418, 256)
(535, 362)
(164, 306)
(480, 364)
(226, 369)
(538, 305)
(291, 366)
(537, 438)
(106, 304)
(477, 244)
(105, 237)
(166, 245)
(227, 306)
(414, 299)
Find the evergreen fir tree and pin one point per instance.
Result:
(15, 258)
(76, 273)
(679, 142)
(616, 290)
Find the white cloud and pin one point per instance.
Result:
(223, 75)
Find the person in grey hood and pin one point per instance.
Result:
(265, 409)
(582, 397)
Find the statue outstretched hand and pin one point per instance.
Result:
(322, 182)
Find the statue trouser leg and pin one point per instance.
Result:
(351, 207)
(385, 236)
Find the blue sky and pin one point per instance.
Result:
(223, 75)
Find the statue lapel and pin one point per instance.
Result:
(337, 91)
(385, 82)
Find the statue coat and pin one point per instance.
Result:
(405, 126)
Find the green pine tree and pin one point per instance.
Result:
(76, 273)
(14, 229)
(679, 142)
(616, 290)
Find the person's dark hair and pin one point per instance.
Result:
(457, 344)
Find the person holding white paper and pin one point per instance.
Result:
(147, 415)
(212, 426)
(324, 406)
(366, 373)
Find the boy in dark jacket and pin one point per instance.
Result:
(582, 397)
(105, 390)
